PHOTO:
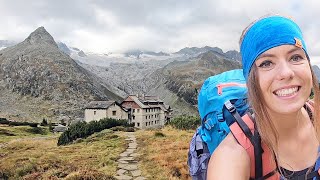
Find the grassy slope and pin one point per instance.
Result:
(31, 157)
(164, 157)
(8, 133)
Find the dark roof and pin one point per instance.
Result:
(103, 105)
(99, 104)
(147, 101)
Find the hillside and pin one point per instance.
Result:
(39, 81)
(30, 155)
(180, 81)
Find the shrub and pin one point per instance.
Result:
(83, 129)
(159, 134)
(185, 122)
(37, 130)
(33, 124)
(44, 122)
(118, 128)
(25, 169)
(50, 127)
(176, 172)
(4, 174)
(15, 123)
(129, 129)
(4, 121)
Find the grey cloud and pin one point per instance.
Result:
(155, 24)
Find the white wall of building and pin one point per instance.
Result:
(114, 111)
(94, 114)
(148, 118)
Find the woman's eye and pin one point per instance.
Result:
(296, 58)
(265, 64)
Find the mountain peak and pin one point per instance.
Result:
(40, 36)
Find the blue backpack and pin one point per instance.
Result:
(216, 93)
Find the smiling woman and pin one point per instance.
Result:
(280, 79)
(276, 68)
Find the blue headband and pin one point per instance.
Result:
(265, 34)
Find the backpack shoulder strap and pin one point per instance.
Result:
(269, 167)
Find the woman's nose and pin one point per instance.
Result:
(285, 71)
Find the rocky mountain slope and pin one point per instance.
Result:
(38, 81)
(179, 82)
(175, 80)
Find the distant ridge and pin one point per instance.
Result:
(233, 54)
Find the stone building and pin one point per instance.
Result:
(97, 110)
(147, 111)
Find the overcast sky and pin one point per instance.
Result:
(158, 25)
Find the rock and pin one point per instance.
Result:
(136, 173)
(123, 177)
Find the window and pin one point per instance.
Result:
(133, 117)
(114, 113)
(146, 123)
(138, 124)
(94, 112)
(146, 117)
(138, 110)
(133, 110)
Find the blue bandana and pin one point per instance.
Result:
(265, 34)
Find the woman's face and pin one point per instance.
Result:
(285, 78)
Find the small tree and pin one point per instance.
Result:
(44, 122)
(63, 122)
(50, 127)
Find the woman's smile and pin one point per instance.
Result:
(287, 92)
